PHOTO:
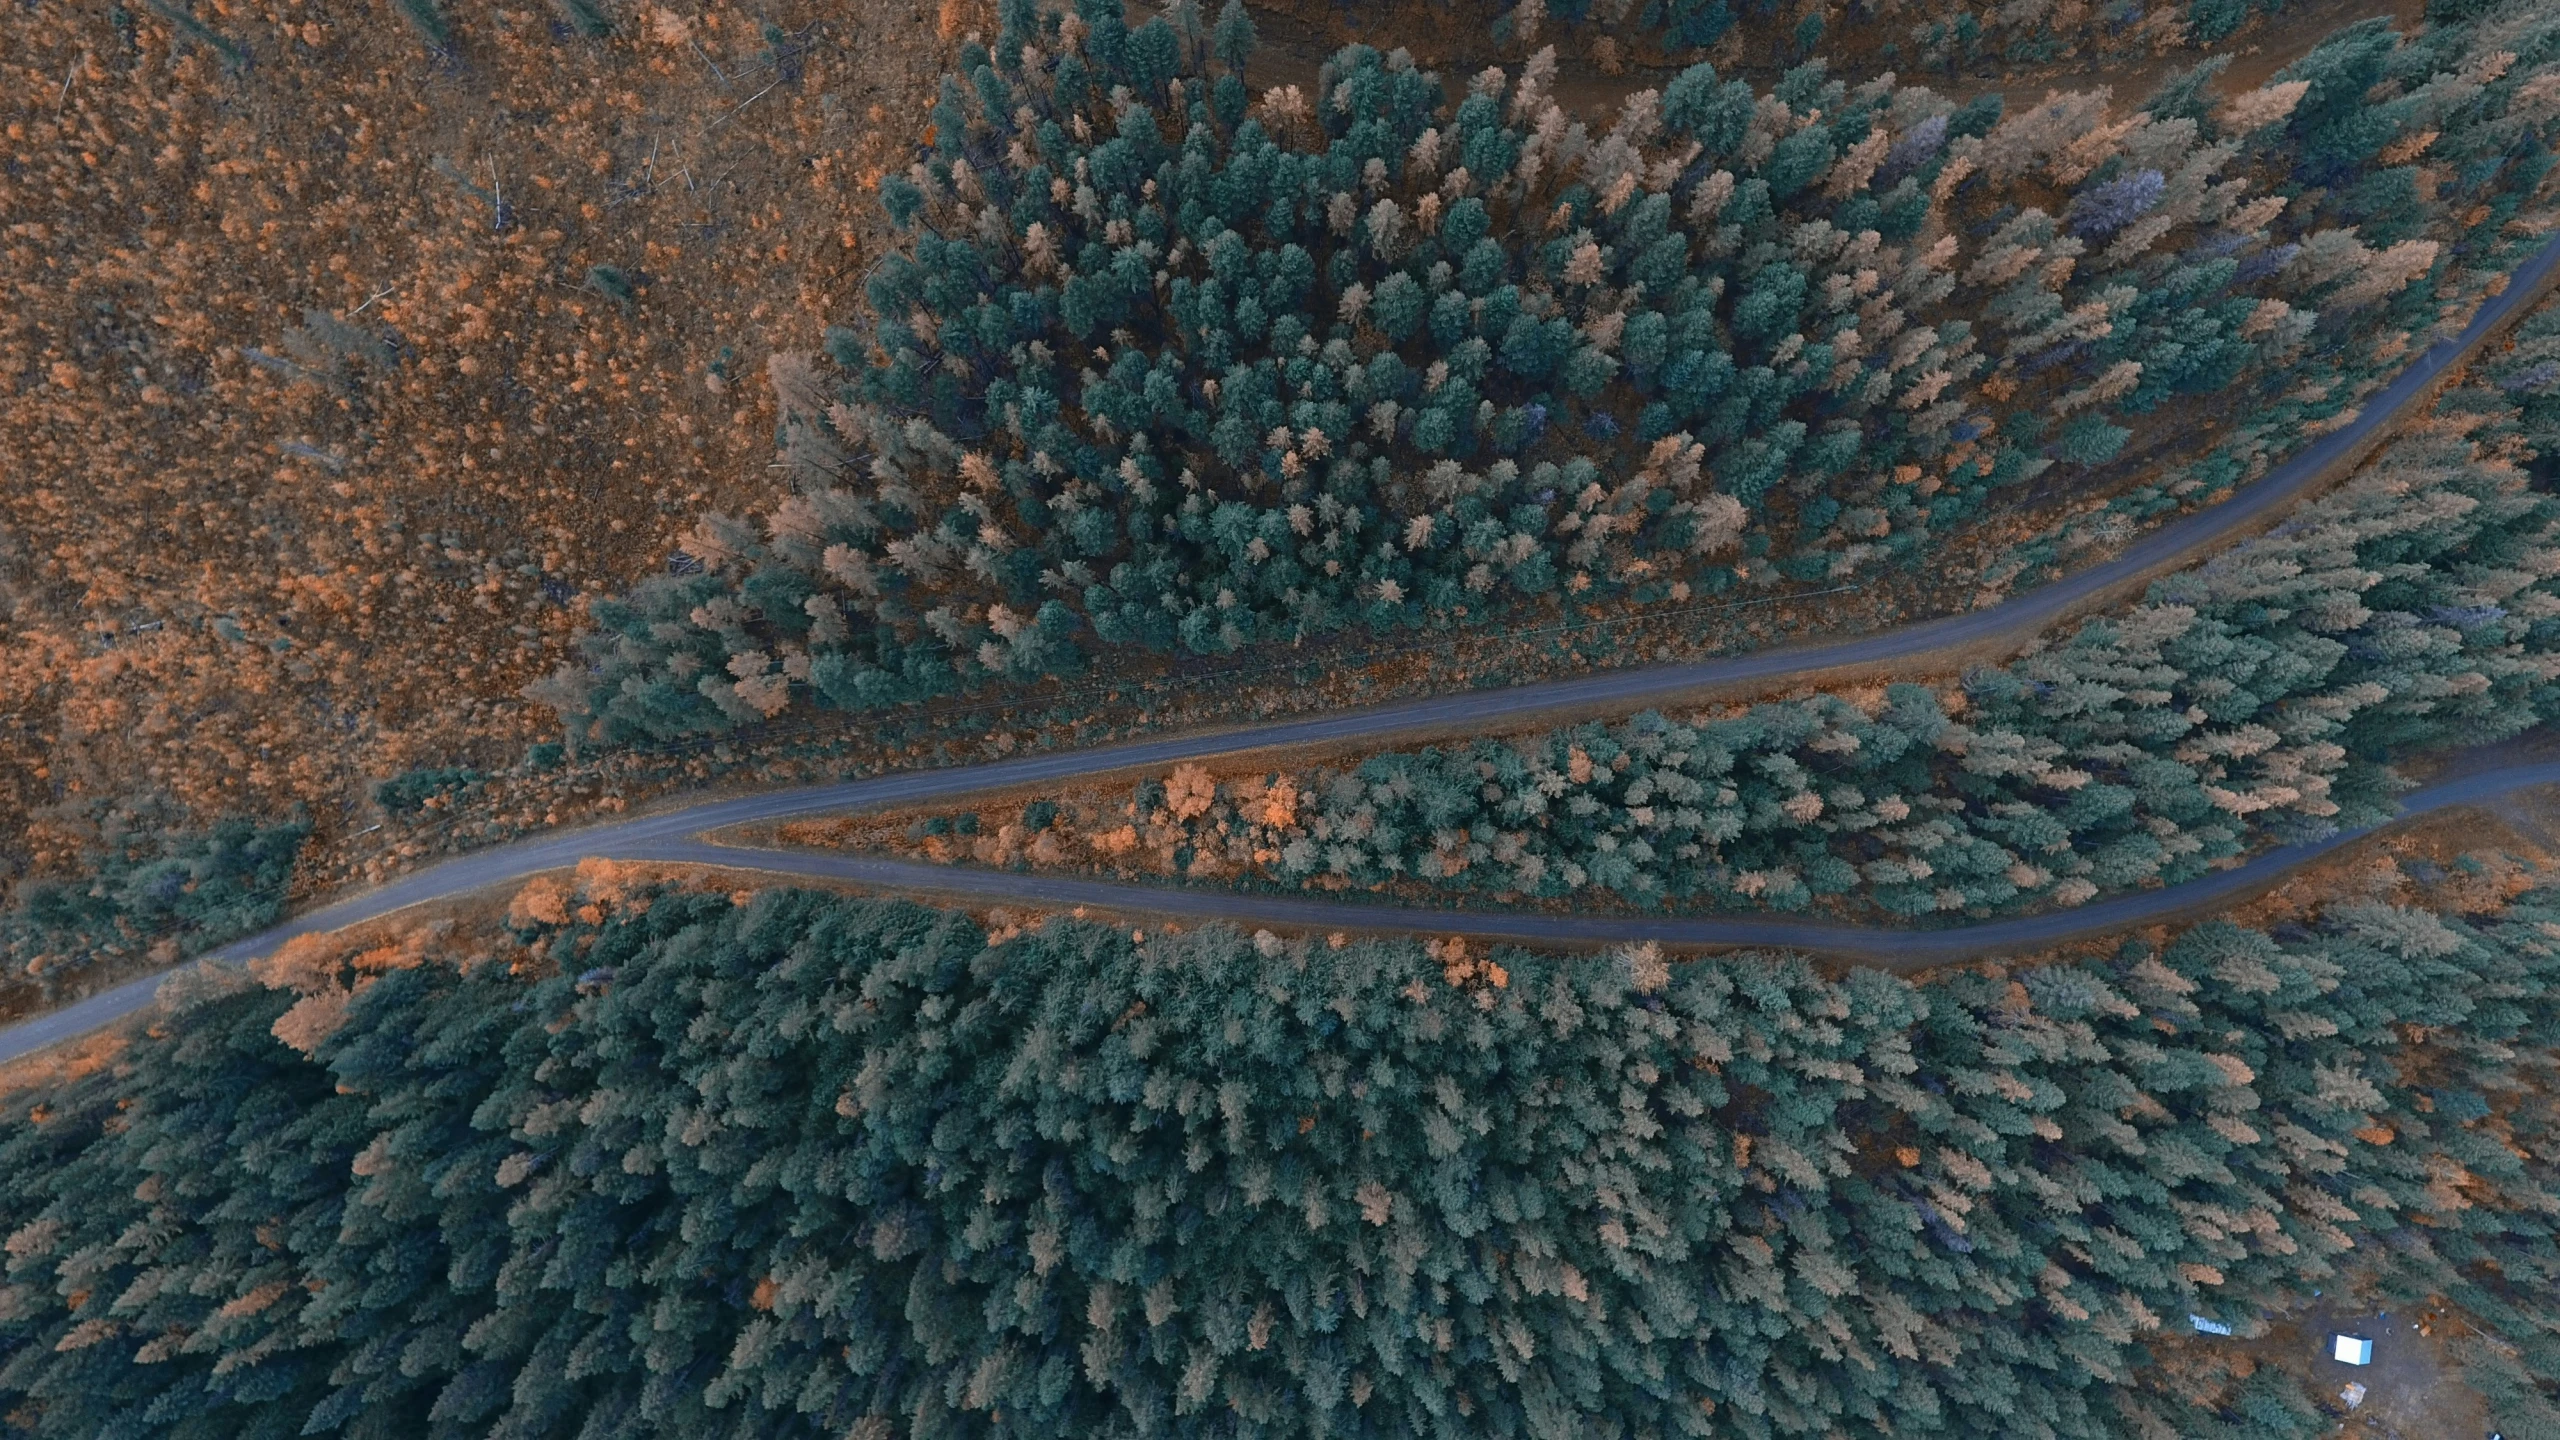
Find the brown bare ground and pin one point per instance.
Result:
(228, 587)
(1456, 35)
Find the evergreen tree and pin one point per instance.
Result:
(1234, 40)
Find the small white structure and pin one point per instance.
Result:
(2351, 1394)
(2351, 1349)
(2208, 1327)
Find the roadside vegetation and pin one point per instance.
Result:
(2264, 697)
(154, 898)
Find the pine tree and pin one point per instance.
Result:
(1234, 40)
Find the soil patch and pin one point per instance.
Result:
(1298, 35)
(338, 371)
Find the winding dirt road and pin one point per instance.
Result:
(674, 835)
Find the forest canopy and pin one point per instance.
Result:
(1166, 366)
(1162, 364)
(692, 1164)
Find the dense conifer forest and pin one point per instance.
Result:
(1169, 366)
(2263, 697)
(669, 1163)
(1163, 363)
